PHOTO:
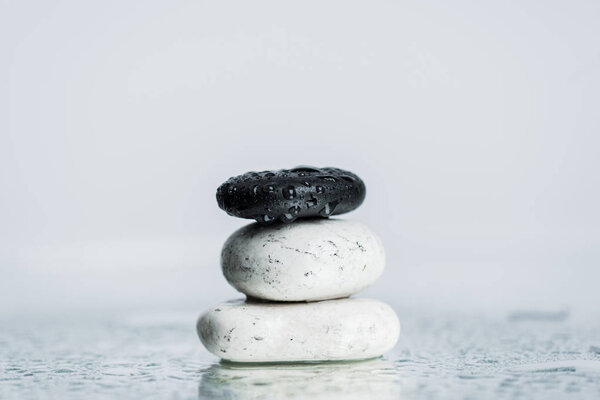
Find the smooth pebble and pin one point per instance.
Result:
(345, 329)
(288, 194)
(308, 260)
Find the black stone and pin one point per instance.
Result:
(289, 194)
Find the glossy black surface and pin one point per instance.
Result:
(288, 194)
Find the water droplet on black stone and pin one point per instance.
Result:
(294, 210)
(304, 169)
(312, 202)
(328, 209)
(320, 189)
(288, 217)
(328, 178)
(289, 193)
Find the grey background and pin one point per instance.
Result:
(474, 124)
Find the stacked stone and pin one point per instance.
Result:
(297, 268)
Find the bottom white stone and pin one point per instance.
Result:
(345, 329)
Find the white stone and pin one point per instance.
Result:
(345, 329)
(307, 260)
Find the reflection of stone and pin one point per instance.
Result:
(376, 378)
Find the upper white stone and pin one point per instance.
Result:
(307, 260)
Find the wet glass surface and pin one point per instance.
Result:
(440, 354)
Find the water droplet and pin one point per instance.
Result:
(328, 209)
(288, 217)
(268, 188)
(267, 218)
(307, 184)
(312, 202)
(303, 168)
(255, 189)
(294, 210)
(328, 178)
(320, 189)
(289, 193)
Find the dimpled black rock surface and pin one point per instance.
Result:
(289, 194)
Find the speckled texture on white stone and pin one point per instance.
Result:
(308, 260)
(345, 329)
